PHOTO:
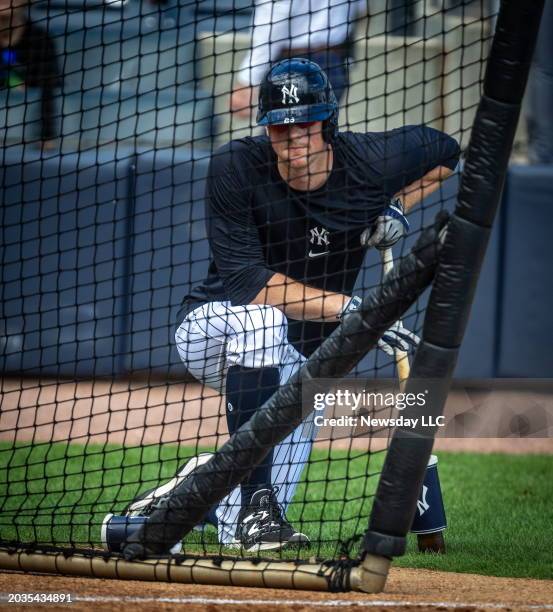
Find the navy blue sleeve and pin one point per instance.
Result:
(406, 154)
(232, 233)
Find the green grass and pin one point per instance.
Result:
(500, 508)
(500, 515)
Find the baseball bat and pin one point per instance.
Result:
(401, 357)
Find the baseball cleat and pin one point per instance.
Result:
(263, 526)
(117, 528)
(143, 505)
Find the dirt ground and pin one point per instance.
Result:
(142, 413)
(406, 589)
(149, 412)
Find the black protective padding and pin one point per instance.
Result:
(460, 259)
(453, 290)
(384, 545)
(403, 471)
(486, 161)
(400, 484)
(359, 332)
(516, 32)
(433, 362)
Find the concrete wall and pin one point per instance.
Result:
(394, 80)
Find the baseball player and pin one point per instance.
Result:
(289, 217)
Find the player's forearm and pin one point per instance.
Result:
(416, 191)
(298, 301)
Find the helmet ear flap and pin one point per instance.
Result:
(330, 128)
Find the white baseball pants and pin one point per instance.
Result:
(214, 337)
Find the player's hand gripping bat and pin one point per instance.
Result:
(401, 357)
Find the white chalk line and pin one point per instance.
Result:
(323, 603)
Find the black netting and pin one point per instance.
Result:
(168, 264)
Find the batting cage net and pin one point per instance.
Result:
(217, 216)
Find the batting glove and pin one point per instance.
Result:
(397, 338)
(389, 227)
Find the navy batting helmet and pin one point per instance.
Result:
(297, 90)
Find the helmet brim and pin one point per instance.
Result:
(296, 114)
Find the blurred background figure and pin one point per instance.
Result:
(318, 31)
(539, 109)
(401, 18)
(28, 60)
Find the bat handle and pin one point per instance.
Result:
(387, 257)
(401, 357)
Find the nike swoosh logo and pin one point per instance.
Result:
(258, 516)
(253, 530)
(313, 255)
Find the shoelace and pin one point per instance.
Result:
(276, 511)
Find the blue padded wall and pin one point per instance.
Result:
(20, 116)
(98, 250)
(63, 263)
(169, 253)
(526, 324)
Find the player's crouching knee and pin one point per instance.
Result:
(274, 317)
(262, 340)
(273, 323)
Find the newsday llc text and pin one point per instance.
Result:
(358, 400)
(496, 408)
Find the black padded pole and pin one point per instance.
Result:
(458, 270)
